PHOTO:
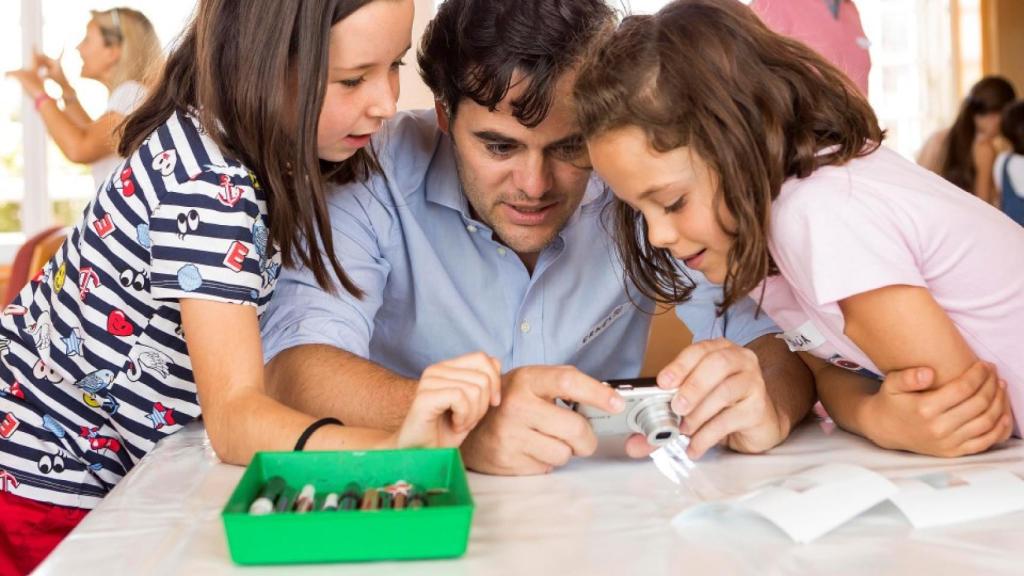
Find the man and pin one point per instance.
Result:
(487, 232)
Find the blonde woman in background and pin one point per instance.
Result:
(119, 50)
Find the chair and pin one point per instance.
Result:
(31, 257)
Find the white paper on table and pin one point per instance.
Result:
(979, 494)
(811, 503)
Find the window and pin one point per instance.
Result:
(39, 187)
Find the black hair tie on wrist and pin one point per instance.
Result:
(301, 444)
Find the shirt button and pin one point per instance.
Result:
(524, 327)
(502, 251)
(471, 228)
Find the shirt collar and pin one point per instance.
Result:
(834, 6)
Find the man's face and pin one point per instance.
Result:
(523, 182)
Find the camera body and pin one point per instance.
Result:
(648, 411)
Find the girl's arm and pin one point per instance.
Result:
(902, 327)
(73, 108)
(227, 363)
(83, 144)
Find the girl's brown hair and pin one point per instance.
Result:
(255, 73)
(991, 95)
(758, 107)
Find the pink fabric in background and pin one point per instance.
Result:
(841, 41)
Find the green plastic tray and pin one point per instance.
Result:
(440, 530)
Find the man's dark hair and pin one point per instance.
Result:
(474, 49)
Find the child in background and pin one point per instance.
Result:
(965, 152)
(1008, 172)
(748, 157)
(148, 316)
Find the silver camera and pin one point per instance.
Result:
(648, 411)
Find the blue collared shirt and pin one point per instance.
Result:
(439, 284)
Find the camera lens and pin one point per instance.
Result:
(658, 423)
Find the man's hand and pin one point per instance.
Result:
(967, 415)
(451, 398)
(528, 433)
(721, 396)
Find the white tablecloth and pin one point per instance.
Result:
(602, 515)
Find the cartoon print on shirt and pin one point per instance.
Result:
(161, 416)
(52, 462)
(142, 235)
(41, 371)
(40, 331)
(53, 426)
(13, 390)
(14, 310)
(46, 274)
(73, 342)
(188, 222)
(8, 425)
(99, 444)
(7, 481)
(229, 194)
(58, 280)
(118, 324)
(189, 278)
(165, 161)
(124, 183)
(88, 280)
(136, 280)
(96, 382)
(143, 358)
(108, 404)
(269, 269)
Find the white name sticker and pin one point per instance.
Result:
(804, 338)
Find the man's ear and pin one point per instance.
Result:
(443, 121)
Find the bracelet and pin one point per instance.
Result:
(301, 444)
(39, 100)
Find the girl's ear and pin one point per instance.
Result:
(443, 121)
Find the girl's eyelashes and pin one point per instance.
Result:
(352, 82)
(675, 206)
(398, 64)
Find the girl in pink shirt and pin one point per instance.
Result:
(746, 156)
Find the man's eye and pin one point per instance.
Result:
(499, 149)
(569, 151)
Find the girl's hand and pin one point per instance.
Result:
(984, 153)
(967, 415)
(30, 81)
(451, 399)
(52, 67)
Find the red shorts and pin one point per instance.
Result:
(30, 530)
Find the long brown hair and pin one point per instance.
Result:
(990, 95)
(233, 67)
(758, 107)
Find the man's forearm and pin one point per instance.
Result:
(788, 381)
(326, 381)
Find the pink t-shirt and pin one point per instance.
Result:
(840, 40)
(881, 221)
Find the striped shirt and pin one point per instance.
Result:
(94, 370)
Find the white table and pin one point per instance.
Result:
(602, 515)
